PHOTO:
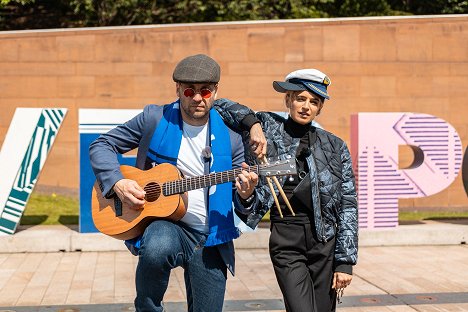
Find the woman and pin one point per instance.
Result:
(314, 248)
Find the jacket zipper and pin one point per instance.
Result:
(317, 189)
(320, 207)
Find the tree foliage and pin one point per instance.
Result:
(418, 7)
(34, 14)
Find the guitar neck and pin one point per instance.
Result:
(193, 183)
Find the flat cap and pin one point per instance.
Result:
(198, 68)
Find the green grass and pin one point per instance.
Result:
(431, 215)
(50, 209)
(59, 209)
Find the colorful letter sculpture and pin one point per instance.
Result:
(27, 144)
(375, 138)
(93, 122)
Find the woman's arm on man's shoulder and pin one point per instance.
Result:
(241, 118)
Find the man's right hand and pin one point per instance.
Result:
(130, 193)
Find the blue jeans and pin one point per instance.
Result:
(165, 246)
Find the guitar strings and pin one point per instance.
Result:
(190, 183)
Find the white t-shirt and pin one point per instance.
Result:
(191, 163)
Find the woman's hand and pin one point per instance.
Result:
(341, 280)
(258, 141)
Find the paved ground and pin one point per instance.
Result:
(388, 278)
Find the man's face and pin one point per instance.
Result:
(196, 100)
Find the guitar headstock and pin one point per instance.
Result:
(278, 167)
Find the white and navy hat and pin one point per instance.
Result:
(311, 80)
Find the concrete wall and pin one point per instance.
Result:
(415, 64)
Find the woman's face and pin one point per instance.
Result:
(303, 106)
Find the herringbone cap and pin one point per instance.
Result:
(198, 68)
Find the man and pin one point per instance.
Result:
(190, 135)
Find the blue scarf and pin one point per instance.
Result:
(164, 148)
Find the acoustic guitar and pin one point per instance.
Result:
(166, 196)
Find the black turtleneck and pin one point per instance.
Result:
(297, 188)
(295, 129)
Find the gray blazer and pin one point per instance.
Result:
(137, 133)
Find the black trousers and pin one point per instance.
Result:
(303, 267)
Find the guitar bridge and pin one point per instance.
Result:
(117, 206)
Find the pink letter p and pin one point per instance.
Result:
(375, 139)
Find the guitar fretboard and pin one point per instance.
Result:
(193, 183)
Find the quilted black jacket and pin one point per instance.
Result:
(332, 179)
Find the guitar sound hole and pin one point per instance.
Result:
(153, 191)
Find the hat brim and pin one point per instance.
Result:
(283, 86)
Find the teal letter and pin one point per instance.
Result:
(28, 141)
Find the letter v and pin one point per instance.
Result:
(27, 143)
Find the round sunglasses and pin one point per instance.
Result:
(205, 92)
